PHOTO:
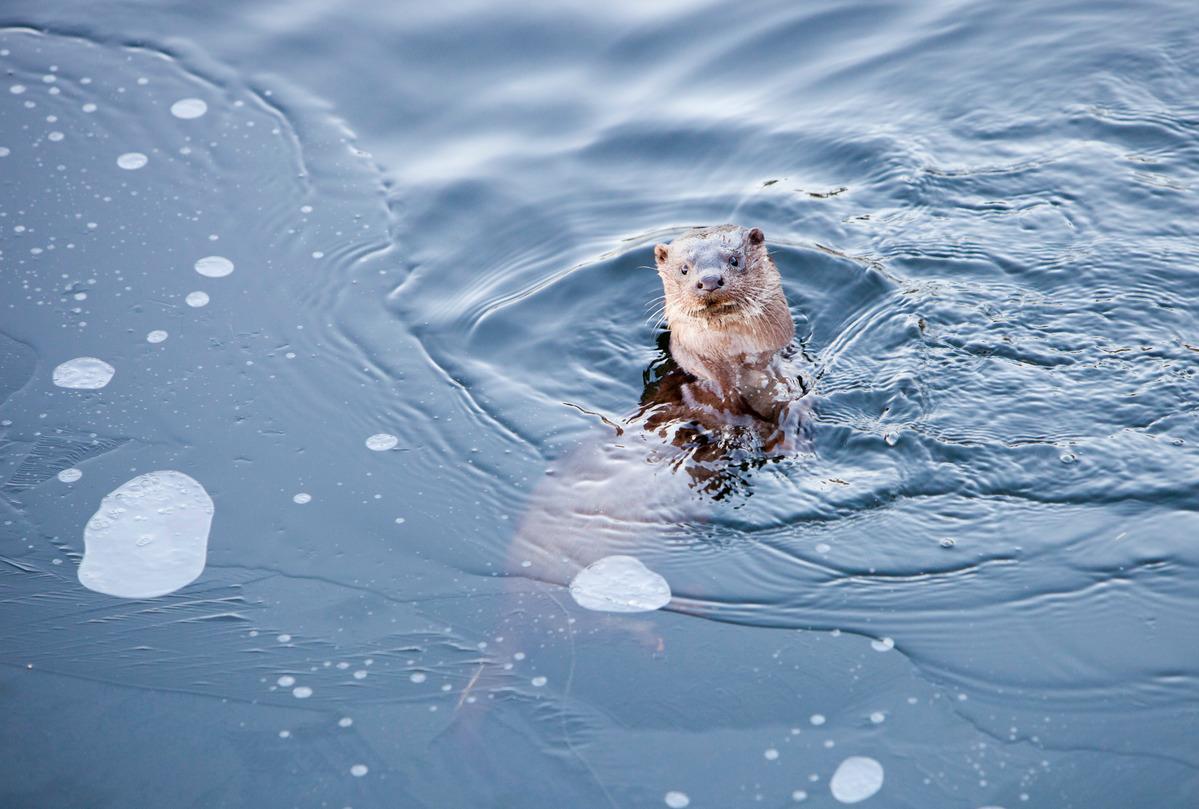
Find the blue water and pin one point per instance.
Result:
(983, 573)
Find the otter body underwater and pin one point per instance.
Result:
(732, 400)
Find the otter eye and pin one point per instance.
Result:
(685, 268)
(733, 261)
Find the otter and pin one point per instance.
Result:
(728, 399)
(730, 335)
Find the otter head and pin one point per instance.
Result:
(709, 271)
(724, 297)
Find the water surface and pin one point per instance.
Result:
(364, 273)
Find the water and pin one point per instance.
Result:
(425, 231)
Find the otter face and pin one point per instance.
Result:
(715, 271)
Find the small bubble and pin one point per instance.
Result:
(214, 266)
(381, 442)
(131, 161)
(188, 108)
(358, 770)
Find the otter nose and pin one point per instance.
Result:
(710, 282)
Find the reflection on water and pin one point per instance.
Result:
(394, 361)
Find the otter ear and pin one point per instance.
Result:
(756, 236)
(661, 253)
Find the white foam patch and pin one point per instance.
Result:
(677, 800)
(214, 266)
(83, 373)
(381, 442)
(148, 538)
(196, 299)
(188, 108)
(131, 161)
(156, 336)
(620, 584)
(856, 779)
(70, 475)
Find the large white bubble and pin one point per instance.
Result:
(856, 779)
(83, 373)
(620, 584)
(148, 538)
